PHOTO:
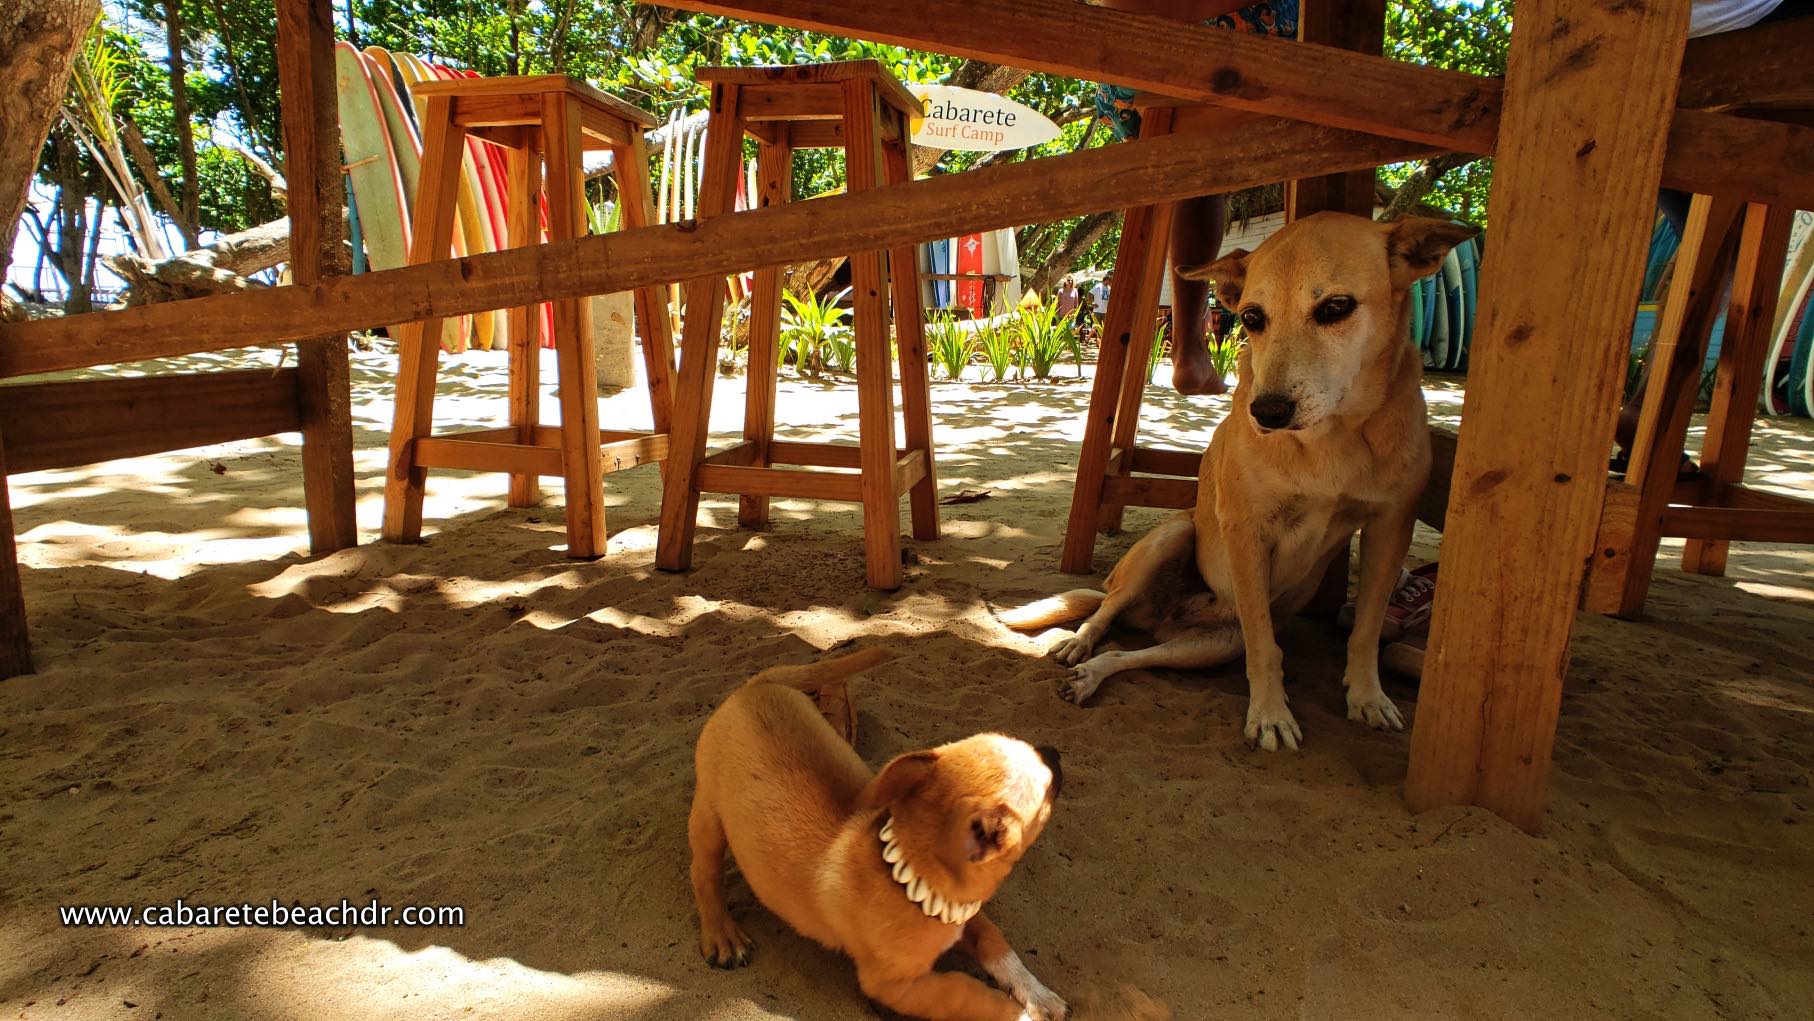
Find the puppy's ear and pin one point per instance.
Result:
(1416, 246)
(899, 779)
(992, 832)
(1226, 274)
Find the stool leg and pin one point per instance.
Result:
(1618, 584)
(652, 314)
(525, 342)
(580, 460)
(775, 180)
(419, 343)
(875, 390)
(1149, 274)
(1755, 283)
(1138, 248)
(916, 374)
(699, 346)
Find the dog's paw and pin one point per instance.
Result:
(1270, 726)
(1082, 683)
(1375, 710)
(1073, 650)
(1043, 1004)
(725, 946)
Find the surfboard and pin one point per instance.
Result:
(970, 260)
(937, 257)
(1430, 292)
(1470, 294)
(1415, 300)
(1790, 312)
(377, 188)
(1008, 262)
(1451, 281)
(354, 236)
(1439, 327)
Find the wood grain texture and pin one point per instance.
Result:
(775, 185)
(1574, 191)
(524, 347)
(910, 336)
(317, 208)
(1763, 66)
(535, 86)
(584, 469)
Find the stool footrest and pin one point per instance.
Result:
(727, 471)
(497, 450)
(1156, 461)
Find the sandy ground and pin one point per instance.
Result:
(479, 722)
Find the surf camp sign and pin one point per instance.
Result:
(954, 118)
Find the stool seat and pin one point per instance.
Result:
(858, 106)
(545, 123)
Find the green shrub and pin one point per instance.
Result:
(1045, 336)
(812, 329)
(951, 347)
(1000, 348)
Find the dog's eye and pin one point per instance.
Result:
(1334, 310)
(1253, 319)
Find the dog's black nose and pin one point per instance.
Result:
(1274, 411)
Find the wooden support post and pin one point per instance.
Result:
(775, 185)
(1626, 553)
(910, 334)
(582, 464)
(875, 394)
(1575, 186)
(317, 202)
(699, 345)
(419, 342)
(524, 166)
(15, 642)
(654, 322)
(1749, 320)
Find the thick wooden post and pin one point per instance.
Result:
(1574, 192)
(1349, 25)
(317, 202)
(15, 643)
(1755, 290)
(910, 334)
(581, 462)
(775, 185)
(524, 347)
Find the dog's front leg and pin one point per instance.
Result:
(1383, 544)
(942, 996)
(1269, 719)
(990, 948)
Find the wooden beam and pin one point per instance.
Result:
(63, 425)
(1731, 524)
(1762, 66)
(15, 642)
(1574, 190)
(948, 205)
(1358, 25)
(810, 485)
(317, 205)
(1150, 491)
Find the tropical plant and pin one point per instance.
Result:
(1044, 338)
(1000, 348)
(1158, 349)
(810, 328)
(1225, 353)
(951, 347)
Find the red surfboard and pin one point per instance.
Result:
(970, 260)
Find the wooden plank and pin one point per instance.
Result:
(909, 471)
(1159, 461)
(809, 485)
(584, 491)
(1358, 25)
(63, 425)
(1761, 499)
(700, 333)
(1762, 66)
(946, 205)
(1617, 584)
(15, 640)
(465, 454)
(774, 187)
(737, 453)
(819, 455)
(1756, 280)
(538, 85)
(910, 335)
(1728, 524)
(626, 452)
(1150, 491)
(317, 208)
(1433, 506)
(869, 281)
(1574, 191)
(524, 345)
(781, 77)
(654, 325)
(816, 135)
(418, 342)
(791, 103)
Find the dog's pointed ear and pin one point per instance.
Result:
(1226, 275)
(1416, 246)
(992, 833)
(897, 781)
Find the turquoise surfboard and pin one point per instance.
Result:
(1470, 294)
(1439, 325)
(1451, 288)
(1417, 324)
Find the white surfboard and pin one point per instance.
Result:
(1797, 277)
(976, 121)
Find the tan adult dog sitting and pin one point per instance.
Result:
(893, 868)
(1327, 436)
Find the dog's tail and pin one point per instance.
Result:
(1060, 609)
(810, 677)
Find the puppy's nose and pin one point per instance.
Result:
(1274, 411)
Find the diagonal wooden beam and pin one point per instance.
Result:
(1259, 151)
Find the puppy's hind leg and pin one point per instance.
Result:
(720, 941)
(1132, 580)
(1203, 647)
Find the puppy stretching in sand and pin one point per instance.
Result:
(1327, 436)
(891, 868)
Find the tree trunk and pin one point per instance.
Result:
(1086, 233)
(38, 42)
(1412, 192)
(72, 223)
(221, 266)
(148, 169)
(179, 117)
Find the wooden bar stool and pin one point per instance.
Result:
(1715, 508)
(551, 120)
(858, 106)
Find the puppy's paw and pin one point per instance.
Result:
(1270, 726)
(1083, 682)
(1073, 650)
(725, 945)
(1043, 1004)
(1375, 710)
